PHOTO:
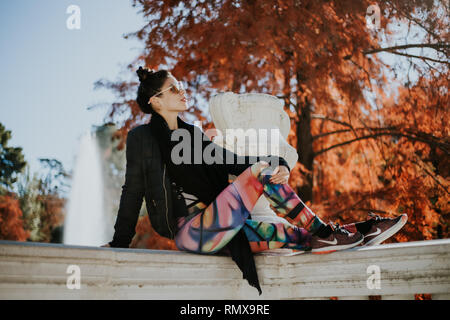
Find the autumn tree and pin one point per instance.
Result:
(324, 61)
(11, 222)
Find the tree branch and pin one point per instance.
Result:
(347, 130)
(419, 57)
(319, 116)
(406, 46)
(433, 143)
(417, 136)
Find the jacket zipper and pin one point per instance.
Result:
(165, 197)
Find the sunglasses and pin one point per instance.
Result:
(172, 88)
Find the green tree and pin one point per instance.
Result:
(11, 161)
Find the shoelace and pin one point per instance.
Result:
(376, 217)
(338, 229)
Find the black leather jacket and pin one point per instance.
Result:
(146, 177)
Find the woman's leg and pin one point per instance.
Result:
(213, 227)
(288, 204)
(266, 235)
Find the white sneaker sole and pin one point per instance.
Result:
(388, 233)
(280, 252)
(340, 247)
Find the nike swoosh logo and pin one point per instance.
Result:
(329, 242)
(374, 233)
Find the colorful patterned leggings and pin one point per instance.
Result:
(207, 229)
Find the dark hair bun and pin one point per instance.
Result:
(144, 73)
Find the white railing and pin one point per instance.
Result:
(40, 271)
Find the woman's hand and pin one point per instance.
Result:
(106, 245)
(280, 175)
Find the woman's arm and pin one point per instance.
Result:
(239, 163)
(132, 194)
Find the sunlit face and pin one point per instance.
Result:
(172, 97)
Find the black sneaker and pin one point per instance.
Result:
(383, 228)
(338, 239)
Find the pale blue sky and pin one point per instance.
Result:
(48, 71)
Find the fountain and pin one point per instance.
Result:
(85, 219)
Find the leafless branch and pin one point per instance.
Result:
(407, 46)
(442, 146)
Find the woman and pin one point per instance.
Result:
(217, 217)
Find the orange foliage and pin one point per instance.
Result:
(147, 238)
(404, 171)
(11, 223)
(422, 296)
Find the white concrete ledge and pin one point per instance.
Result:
(39, 271)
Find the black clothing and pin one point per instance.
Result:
(146, 176)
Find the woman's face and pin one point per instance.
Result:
(173, 99)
